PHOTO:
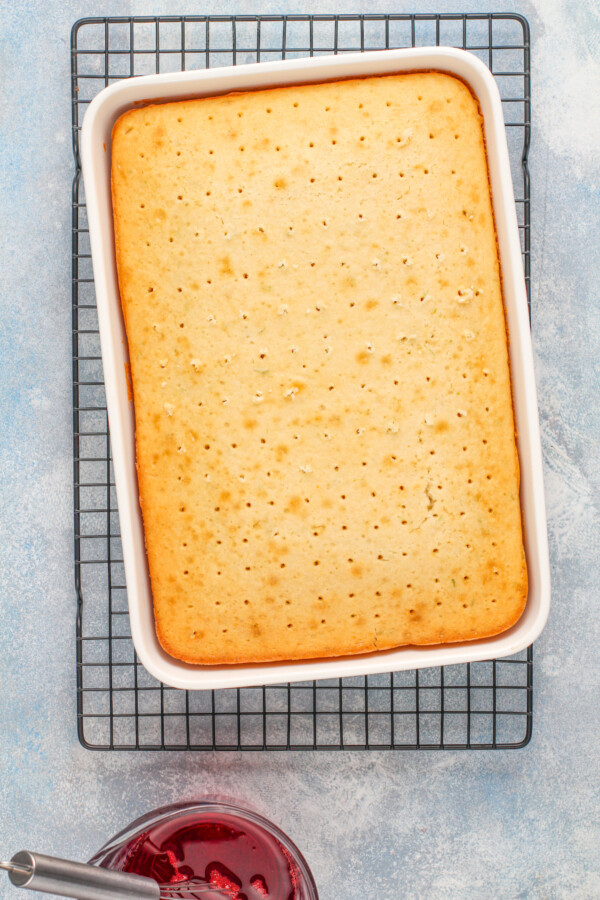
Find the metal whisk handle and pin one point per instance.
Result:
(51, 875)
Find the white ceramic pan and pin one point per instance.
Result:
(96, 146)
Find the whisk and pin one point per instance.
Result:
(52, 875)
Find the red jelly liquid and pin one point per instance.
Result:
(224, 849)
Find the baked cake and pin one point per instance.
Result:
(325, 439)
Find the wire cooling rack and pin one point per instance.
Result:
(119, 705)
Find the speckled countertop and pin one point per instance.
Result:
(474, 825)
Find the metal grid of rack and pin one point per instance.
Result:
(120, 706)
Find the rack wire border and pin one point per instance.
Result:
(346, 688)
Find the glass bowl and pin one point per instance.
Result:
(156, 843)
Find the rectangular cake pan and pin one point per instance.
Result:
(96, 161)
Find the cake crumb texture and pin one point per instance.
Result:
(325, 439)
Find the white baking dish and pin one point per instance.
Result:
(95, 149)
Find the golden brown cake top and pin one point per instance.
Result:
(325, 436)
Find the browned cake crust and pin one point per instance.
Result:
(325, 439)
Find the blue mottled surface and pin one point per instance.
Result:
(475, 825)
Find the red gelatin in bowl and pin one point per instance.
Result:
(226, 850)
